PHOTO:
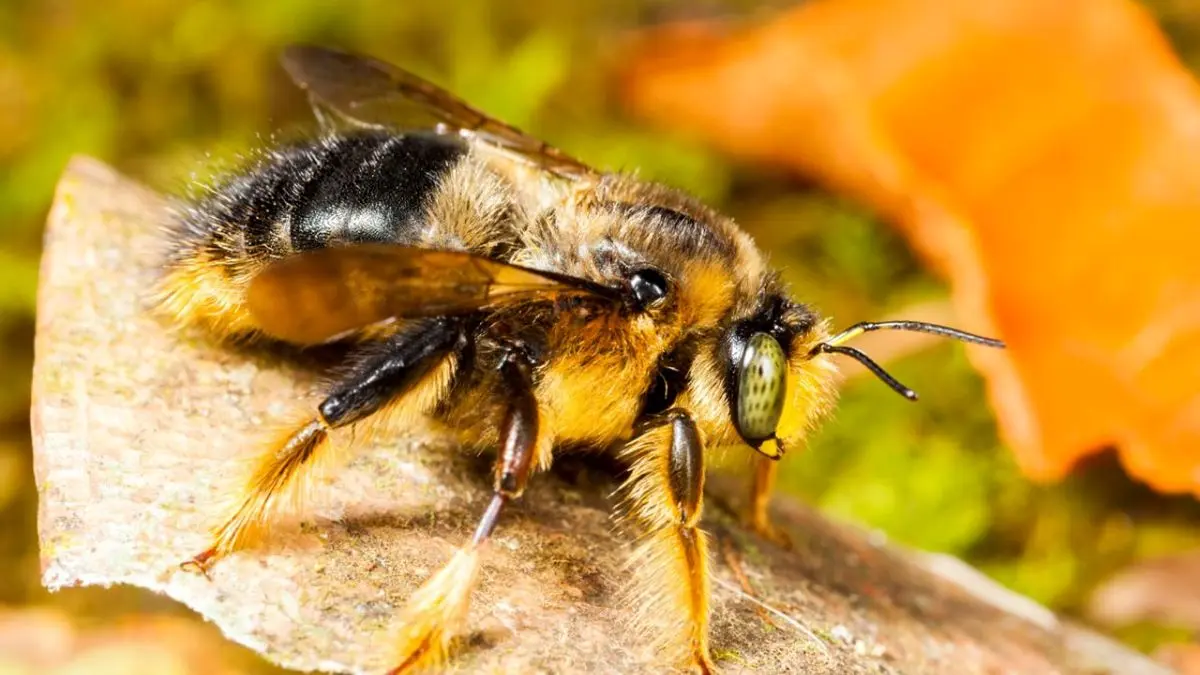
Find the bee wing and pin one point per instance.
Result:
(318, 295)
(372, 93)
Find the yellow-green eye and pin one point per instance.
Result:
(761, 387)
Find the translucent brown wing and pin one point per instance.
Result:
(373, 93)
(318, 295)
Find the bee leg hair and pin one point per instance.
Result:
(438, 610)
(412, 367)
(666, 495)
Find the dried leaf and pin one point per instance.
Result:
(1040, 154)
(136, 431)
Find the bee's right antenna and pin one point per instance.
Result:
(834, 346)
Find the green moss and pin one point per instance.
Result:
(1148, 636)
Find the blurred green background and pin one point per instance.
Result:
(159, 88)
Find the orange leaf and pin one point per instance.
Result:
(1045, 156)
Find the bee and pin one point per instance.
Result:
(530, 302)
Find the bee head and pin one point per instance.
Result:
(777, 374)
(771, 381)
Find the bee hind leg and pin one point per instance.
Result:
(412, 368)
(437, 611)
(275, 473)
(666, 494)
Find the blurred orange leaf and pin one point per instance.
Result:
(46, 641)
(1045, 156)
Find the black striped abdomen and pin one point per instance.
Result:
(351, 189)
(356, 188)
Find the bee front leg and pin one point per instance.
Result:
(411, 372)
(759, 520)
(665, 493)
(438, 610)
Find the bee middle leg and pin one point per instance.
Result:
(665, 491)
(412, 370)
(437, 611)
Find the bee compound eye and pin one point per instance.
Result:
(762, 380)
(649, 287)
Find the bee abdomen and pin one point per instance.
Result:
(360, 188)
(365, 188)
(371, 189)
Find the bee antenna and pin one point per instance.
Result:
(834, 346)
(875, 368)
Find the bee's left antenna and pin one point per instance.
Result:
(915, 327)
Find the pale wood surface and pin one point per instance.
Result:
(137, 430)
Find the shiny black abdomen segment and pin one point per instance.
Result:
(369, 188)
